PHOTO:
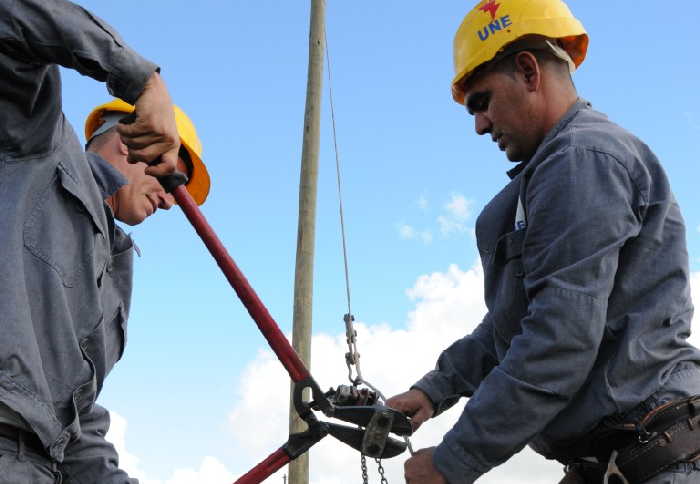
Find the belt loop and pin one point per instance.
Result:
(21, 446)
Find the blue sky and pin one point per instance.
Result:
(415, 177)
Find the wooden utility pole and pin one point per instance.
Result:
(303, 279)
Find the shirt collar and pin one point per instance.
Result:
(579, 105)
(108, 178)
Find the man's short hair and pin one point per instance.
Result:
(98, 141)
(546, 51)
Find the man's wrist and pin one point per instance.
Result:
(427, 396)
(129, 75)
(435, 387)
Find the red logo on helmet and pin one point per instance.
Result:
(490, 7)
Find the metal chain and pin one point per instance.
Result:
(380, 468)
(363, 465)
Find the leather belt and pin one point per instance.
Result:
(30, 439)
(665, 436)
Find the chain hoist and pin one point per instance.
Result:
(352, 357)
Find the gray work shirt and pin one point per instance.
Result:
(65, 275)
(587, 290)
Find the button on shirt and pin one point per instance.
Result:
(587, 290)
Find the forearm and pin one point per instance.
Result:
(460, 368)
(537, 379)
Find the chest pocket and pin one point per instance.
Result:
(510, 299)
(63, 232)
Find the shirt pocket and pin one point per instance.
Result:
(63, 232)
(104, 346)
(511, 301)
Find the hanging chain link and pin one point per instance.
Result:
(363, 465)
(352, 357)
(380, 469)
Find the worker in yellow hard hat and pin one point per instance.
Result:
(108, 115)
(142, 195)
(65, 270)
(583, 353)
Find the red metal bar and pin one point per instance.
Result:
(257, 310)
(265, 469)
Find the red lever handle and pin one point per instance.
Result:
(265, 469)
(257, 310)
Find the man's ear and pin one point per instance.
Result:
(528, 68)
(123, 150)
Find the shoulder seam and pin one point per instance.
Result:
(640, 192)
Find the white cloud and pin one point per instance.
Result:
(423, 203)
(426, 237)
(211, 471)
(447, 306)
(449, 226)
(459, 207)
(408, 232)
(456, 213)
(117, 436)
(452, 219)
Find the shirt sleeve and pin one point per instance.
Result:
(460, 368)
(35, 37)
(60, 32)
(91, 458)
(581, 208)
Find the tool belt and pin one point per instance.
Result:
(635, 452)
(30, 439)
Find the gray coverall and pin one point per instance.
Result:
(65, 272)
(589, 310)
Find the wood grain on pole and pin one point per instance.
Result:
(303, 278)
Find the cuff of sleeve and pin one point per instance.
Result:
(129, 75)
(452, 466)
(437, 387)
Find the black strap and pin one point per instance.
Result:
(678, 443)
(614, 434)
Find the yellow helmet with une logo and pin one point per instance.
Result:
(493, 24)
(199, 182)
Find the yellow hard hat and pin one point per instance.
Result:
(493, 24)
(199, 182)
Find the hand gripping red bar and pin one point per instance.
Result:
(257, 310)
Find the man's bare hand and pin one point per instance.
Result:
(419, 468)
(415, 404)
(152, 136)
